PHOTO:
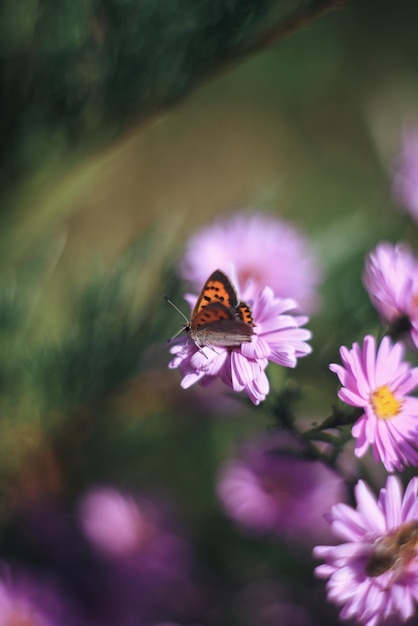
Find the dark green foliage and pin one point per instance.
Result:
(104, 343)
(74, 70)
(13, 310)
(102, 352)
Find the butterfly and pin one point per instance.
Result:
(219, 318)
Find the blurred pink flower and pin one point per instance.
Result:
(122, 525)
(391, 280)
(405, 176)
(147, 562)
(25, 601)
(259, 250)
(115, 523)
(277, 337)
(371, 575)
(378, 381)
(266, 491)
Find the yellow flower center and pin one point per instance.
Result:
(384, 403)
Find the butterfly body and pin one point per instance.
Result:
(219, 318)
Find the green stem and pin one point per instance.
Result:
(338, 419)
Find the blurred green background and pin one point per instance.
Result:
(110, 160)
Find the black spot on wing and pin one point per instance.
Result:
(212, 284)
(244, 313)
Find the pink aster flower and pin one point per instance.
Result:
(405, 177)
(277, 337)
(262, 250)
(265, 491)
(391, 280)
(373, 575)
(378, 381)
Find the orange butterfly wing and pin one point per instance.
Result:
(244, 313)
(218, 318)
(217, 288)
(213, 312)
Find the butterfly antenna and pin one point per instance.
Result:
(168, 342)
(183, 316)
(177, 309)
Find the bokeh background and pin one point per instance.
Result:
(123, 131)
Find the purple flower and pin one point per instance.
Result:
(117, 524)
(121, 525)
(265, 491)
(25, 601)
(277, 337)
(405, 177)
(373, 575)
(391, 279)
(378, 381)
(261, 250)
(148, 563)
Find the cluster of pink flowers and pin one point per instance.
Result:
(376, 378)
(273, 271)
(374, 575)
